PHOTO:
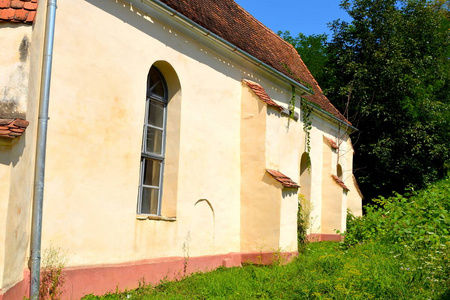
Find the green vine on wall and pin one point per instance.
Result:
(307, 126)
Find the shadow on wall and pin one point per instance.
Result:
(17, 212)
(10, 155)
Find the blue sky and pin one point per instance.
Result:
(305, 16)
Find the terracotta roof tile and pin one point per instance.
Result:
(332, 143)
(340, 183)
(18, 11)
(5, 3)
(17, 4)
(285, 181)
(231, 22)
(261, 93)
(12, 128)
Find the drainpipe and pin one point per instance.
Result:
(38, 196)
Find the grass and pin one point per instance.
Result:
(398, 250)
(323, 271)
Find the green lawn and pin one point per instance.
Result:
(324, 271)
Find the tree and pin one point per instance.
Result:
(388, 71)
(312, 50)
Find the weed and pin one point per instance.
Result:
(186, 253)
(303, 220)
(52, 276)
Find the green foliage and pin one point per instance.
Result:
(388, 71)
(306, 110)
(323, 271)
(312, 50)
(303, 221)
(416, 228)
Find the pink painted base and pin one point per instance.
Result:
(98, 280)
(19, 290)
(321, 237)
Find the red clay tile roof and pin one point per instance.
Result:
(18, 11)
(231, 22)
(12, 128)
(357, 187)
(332, 143)
(261, 93)
(285, 181)
(340, 182)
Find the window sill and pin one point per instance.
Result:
(156, 218)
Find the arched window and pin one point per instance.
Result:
(153, 145)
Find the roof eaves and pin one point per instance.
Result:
(144, 6)
(323, 112)
(283, 179)
(332, 143)
(259, 91)
(355, 182)
(340, 183)
(11, 129)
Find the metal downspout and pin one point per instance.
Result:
(38, 196)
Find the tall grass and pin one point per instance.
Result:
(399, 250)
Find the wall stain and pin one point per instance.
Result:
(23, 49)
(14, 88)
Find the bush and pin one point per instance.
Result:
(416, 227)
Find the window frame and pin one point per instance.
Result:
(147, 155)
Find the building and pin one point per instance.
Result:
(175, 143)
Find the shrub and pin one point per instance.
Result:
(415, 226)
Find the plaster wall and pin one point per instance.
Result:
(5, 174)
(331, 196)
(283, 144)
(354, 203)
(316, 154)
(14, 46)
(288, 221)
(23, 62)
(95, 134)
(328, 202)
(260, 193)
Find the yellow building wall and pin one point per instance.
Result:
(14, 46)
(21, 48)
(5, 174)
(332, 195)
(328, 202)
(260, 193)
(95, 135)
(220, 140)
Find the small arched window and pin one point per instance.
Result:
(153, 145)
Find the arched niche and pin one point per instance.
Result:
(305, 178)
(339, 171)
